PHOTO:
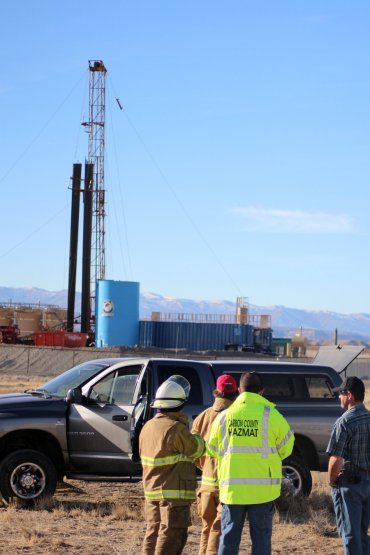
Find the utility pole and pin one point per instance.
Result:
(95, 127)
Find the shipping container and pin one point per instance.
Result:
(60, 338)
(194, 336)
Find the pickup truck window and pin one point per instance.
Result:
(278, 387)
(319, 388)
(75, 377)
(297, 387)
(294, 387)
(116, 388)
(191, 374)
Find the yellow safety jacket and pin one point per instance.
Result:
(249, 440)
(167, 452)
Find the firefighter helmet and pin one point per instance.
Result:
(172, 393)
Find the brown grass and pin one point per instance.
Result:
(15, 384)
(84, 518)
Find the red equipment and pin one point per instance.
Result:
(9, 334)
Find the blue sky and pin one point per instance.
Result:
(240, 165)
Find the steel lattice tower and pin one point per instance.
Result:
(96, 130)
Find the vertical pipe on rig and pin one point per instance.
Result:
(73, 244)
(86, 248)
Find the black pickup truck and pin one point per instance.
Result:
(84, 423)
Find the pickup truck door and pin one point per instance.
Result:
(99, 429)
(198, 374)
(202, 384)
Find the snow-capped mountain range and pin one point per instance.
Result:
(315, 324)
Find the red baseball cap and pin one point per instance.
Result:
(226, 384)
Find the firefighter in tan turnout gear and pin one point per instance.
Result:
(208, 503)
(167, 451)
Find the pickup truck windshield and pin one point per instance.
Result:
(75, 377)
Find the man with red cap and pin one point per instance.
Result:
(208, 504)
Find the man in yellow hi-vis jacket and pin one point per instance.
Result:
(167, 451)
(249, 440)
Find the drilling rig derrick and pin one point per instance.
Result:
(95, 127)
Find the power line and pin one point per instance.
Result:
(33, 232)
(38, 135)
(121, 202)
(177, 198)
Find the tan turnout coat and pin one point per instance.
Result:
(167, 451)
(202, 425)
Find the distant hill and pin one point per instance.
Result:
(316, 324)
(33, 295)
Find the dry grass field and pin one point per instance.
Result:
(85, 518)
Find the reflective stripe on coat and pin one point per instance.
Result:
(167, 451)
(203, 424)
(249, 441)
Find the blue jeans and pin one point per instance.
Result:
(260, 528)
(352, 513)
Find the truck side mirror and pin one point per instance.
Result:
(74, 396)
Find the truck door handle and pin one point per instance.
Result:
(120, 417)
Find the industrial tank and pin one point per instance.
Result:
(53, 318)
(28, 320)
(117, 313)
(6, 316)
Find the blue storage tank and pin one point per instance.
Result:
(117, 313)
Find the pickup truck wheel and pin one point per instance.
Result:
(27, 475)
(297, 477)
